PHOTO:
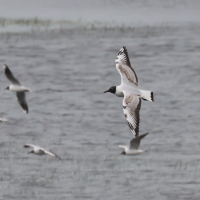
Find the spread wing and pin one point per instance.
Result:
(31, 145)
(135, 142)
(123, 65)
(10, 76)
(131, 108)
(43, 150)
(49, 152)
(21, 96)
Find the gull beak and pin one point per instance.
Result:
(106, 91)
(123, 152)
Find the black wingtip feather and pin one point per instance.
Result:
(7, 70)
(24, 107)
(123, 50)
(152, 97)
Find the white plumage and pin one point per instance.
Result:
(133, 149)
(130, 91)
(3, 119)
(40, 150)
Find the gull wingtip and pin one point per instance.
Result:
(4, 66)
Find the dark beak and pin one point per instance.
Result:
(123, 152)
(106, 91)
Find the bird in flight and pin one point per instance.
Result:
(40, 150)
(130, 91)
(133, 149)
(18, 88)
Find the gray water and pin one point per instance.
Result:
(68, 69)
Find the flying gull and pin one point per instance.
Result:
(130, 91)
(129, 80)
(40, 151)
(133, 149)
(18, 88)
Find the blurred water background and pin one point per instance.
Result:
(65, 51)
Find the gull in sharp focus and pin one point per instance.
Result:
(40, 151)
(130, 91)
(133, 149)
(129, 80)
(18, 88)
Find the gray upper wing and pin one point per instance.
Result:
(135, 142)
(21, 96)
(49, 152)
(10, 76)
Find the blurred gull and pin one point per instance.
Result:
(18, 88)
(130, 91)
(40, 151)
(134, 145)
(3, 119)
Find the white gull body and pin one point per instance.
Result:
(18, 88)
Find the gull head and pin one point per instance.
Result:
(123, 152)
(111, 90)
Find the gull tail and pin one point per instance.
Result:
(147, 95)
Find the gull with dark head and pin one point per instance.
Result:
(18, 88)
(129, 80)
(40, 150)
(133, 149)
(130, 91)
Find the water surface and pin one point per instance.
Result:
(68, 69)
